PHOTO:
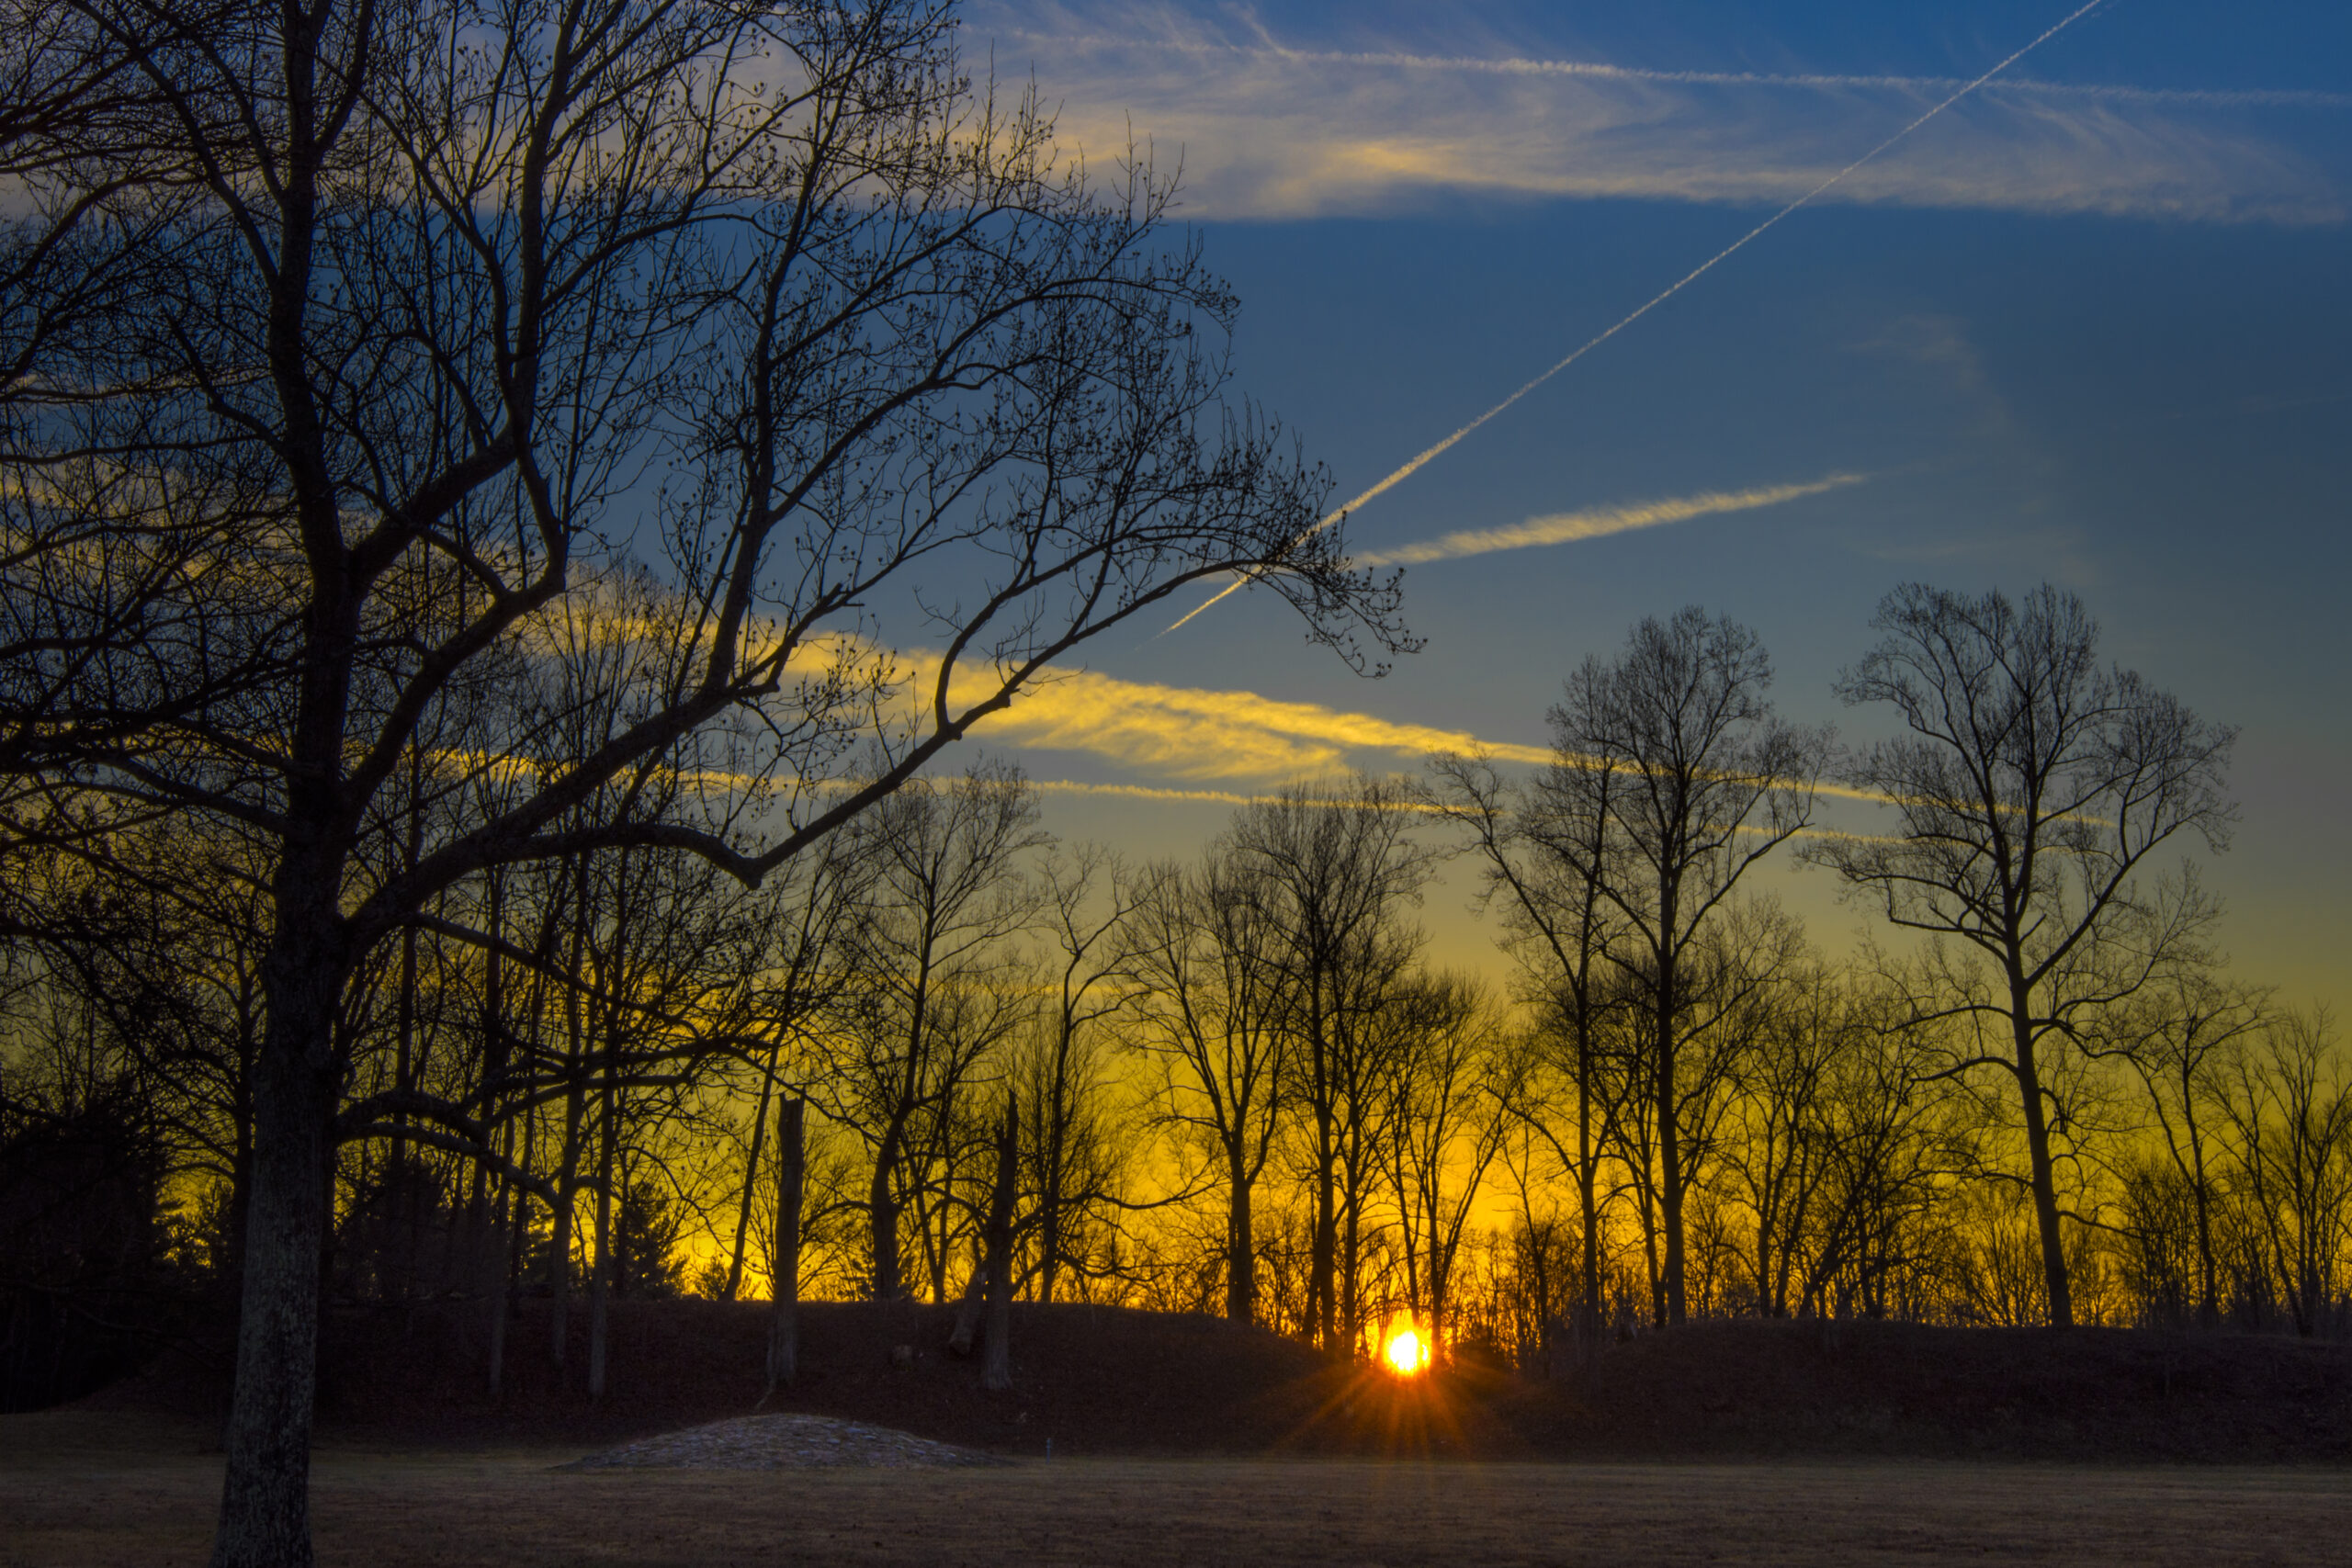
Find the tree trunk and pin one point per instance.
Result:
(882, 1210)
(264, 1500)
(969, 1305)
(2045, 1189)
(996, 1359)
(518, 1231)
(1240, 1249)
(2209, 1307)
(1350, 1269)
(1322, 1258)
(1669, 1142)
(1049, 1204)
(783, 1311)
(750, 1181)
(502, 1284)
(1587, 1202)
(560, 1241)
(600, 1269)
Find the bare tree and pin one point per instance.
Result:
(2288, 1107)
(807, 972)
(1452, 1086)
(1675, 751)
(1072, 1138)
(1208, 957)
(1333, 867)
(393, 323)
(1780, 1161)
(2030, 792)
(1542, 854)
(2178, 1037)
(931, 951)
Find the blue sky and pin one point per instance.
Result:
(2089, 325)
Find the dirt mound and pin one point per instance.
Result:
(786, 1442)
(1109, 1381)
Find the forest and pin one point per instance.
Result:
(948, 1051)
(515, 521)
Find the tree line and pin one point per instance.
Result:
(457, 460)
(505, 511)
(949, 1058)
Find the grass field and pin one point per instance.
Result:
(102, 1491)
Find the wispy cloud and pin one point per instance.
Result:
(1592, 69)
(1270, 129)
(1196, 737)
(1565, 527)
(1183, 796)
(1186, 732)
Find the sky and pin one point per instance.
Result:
(2088, 325)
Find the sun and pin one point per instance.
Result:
(1405, 1352)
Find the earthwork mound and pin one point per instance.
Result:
(786, 1442)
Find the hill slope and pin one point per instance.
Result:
(1101, 1380)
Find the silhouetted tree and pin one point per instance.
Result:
(2032, 787)
(1452, 1082)
(935, 991)
(2178, 1035)
(1692, 780)
(2288, 1101)
(1333, 867)
(1541, 854)
(1207, 955)
(784, 1271)
(393, 327)
(1072, 1138)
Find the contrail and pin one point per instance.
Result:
(1415, 466)
(1563, 527)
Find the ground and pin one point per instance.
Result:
(1139, 1440)
(1099, 1382)
(113, 1491)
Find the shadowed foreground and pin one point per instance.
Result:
(80, 1489)
(1104, 1381)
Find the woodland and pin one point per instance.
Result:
(511, 513)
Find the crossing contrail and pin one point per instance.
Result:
(1441, 447)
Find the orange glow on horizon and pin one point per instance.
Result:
(1407, 1353)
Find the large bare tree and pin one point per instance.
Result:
(1688, 779)
(2029, 789)
(348, 341)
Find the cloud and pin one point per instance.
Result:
(1181, 796)
(1184, 732)
(1924, 86)
(1192, 733)
(1178, 733)
(1269, 130)
(1564, 527)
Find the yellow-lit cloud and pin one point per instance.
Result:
(1186, 732)
(1192, 733)
(1565, 527)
